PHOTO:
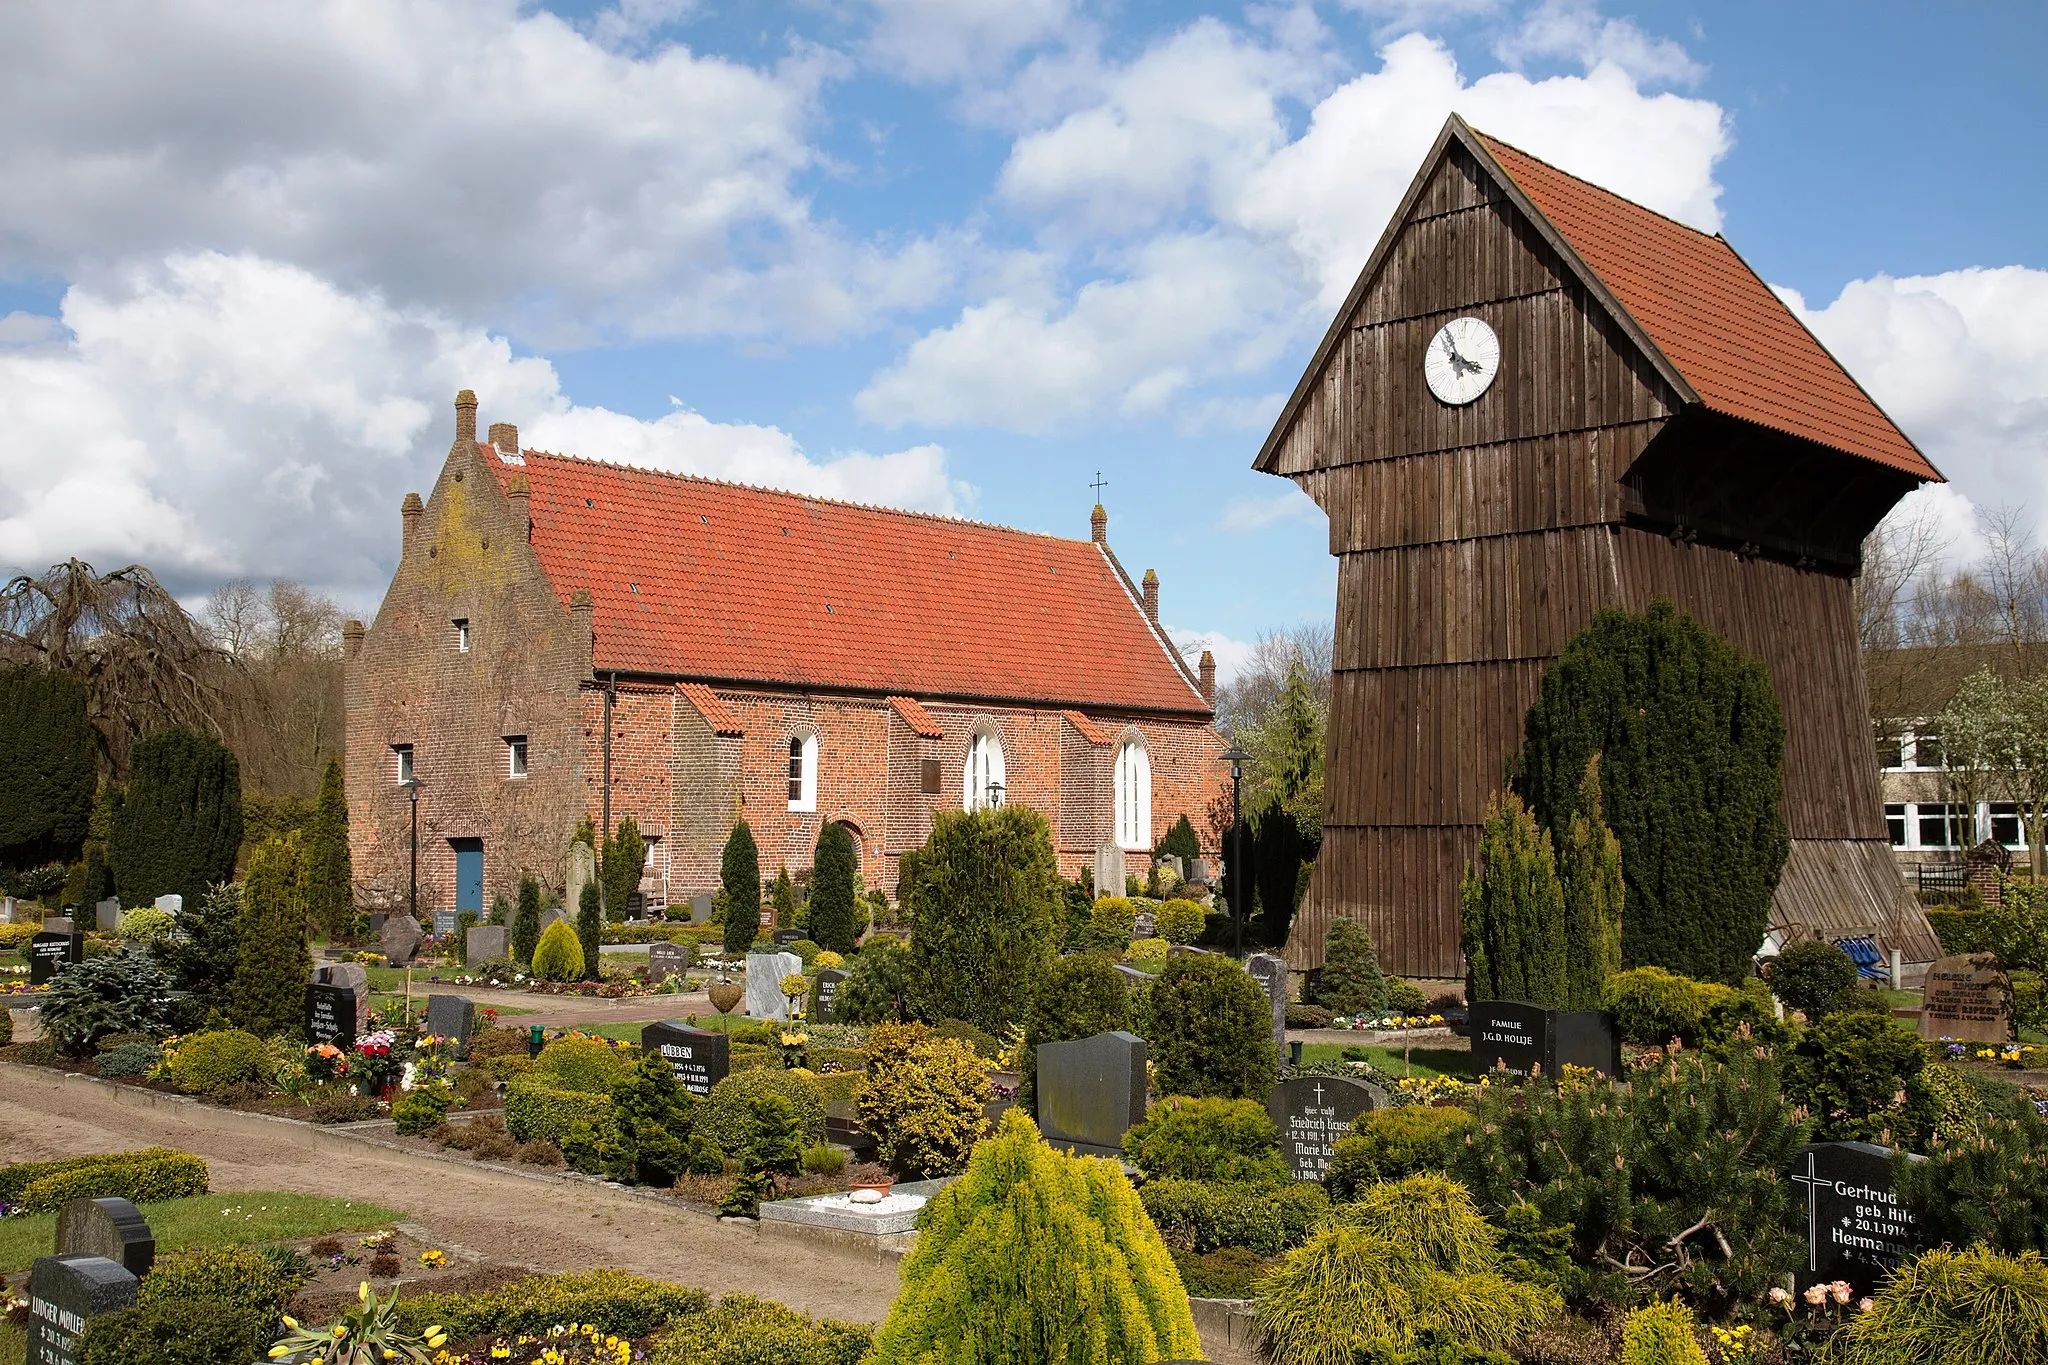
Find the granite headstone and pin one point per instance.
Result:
(699, 1057)
(829, 981)
(355, 976)
(765, 971)
(401, 940)
(446, 922)
(174, 903)
(377, 919)
(785, 937)
(107, 915)
(1270, 971)
(1312, 1112)
(700, 907)
(667, 959)
(1857, 1229)
(331, 1015)
(1586, 1038)
(1968, 999)
(452, 1017)
(110, 1227)
(636, 905)
(1090, 1092)
(553, 913)
(65, 1293)
(487, 941)
(1109, 871)
(50, 953)
(1145, 923)
(59, 924)
(1522, 1037)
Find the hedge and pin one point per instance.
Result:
(1205, 1215)
(727, 1117)
(154, 1173)
(609, 1300)
(534, 1111)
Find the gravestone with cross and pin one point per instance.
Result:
(1857, 1229)
(1312, 1112)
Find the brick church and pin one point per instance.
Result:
(565, 637)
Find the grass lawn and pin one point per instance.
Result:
(628, 1032)
(209, 1220)
(1422, 1061)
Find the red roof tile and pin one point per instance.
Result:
(1734, 341)
(1089, 730)
(715, 712)
(917, 718)
(692, 578)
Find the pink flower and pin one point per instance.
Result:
(1865, 1305)
(1779, 1296)
(1817, 1295)
(1840, 1291)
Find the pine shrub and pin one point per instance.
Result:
(1512, 911)
(1859, 1076)
(832, 889)
(272, 963)
(1973, 1307)
(1351, 981)
(1206, 1139)
(421, 1109)
(526, 924)
(330, 877)
(1211, 1030)
(740, 879)
(1988, 1183)
(1808, 976)
(202, 958)
(982, 895)
(49, 766)
(1078, 997)
(1661, 1334)
(774, 1151)
(559, 954)
(1589, 878)
(120, 993)
(180, 823)
(1032, 1257)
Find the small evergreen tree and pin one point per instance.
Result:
(1078, 997)
(881, 985)
(330, 876)
(1589, 878)
(1513, 923)
(1808, 976)
(620, 865)
(983, 899)
(590, 931)
(559, 954)
(651, 1113)
(526, 928)
(1211, 1030)
(782, 895)
(776, 1150)
(203, 956)
(180, 825)
(272, 963)
(832, 879)
(1351, 981)
(49, 766)
(1180, 841)
(501, 911)
(1282, 852)
(99, 870)
(739, 876)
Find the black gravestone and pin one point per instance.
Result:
(1312, 1112)
(446, 922)
(1091, 1091)
(1513, 1034)
(699, 1057)
(110, 1227)
(1585, 1038)
(453, 1017)
(1270, 971)
(49, 954)
(665, 960)
(828, 993)
(788, 936)
(331, 1015)
(636, 905)
(1856, 1228)
(65, 1293)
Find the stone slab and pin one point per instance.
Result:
(1270, 971)
(486, 941)
(452, 1016)
(1090, 1091)
(110, 1227)
(1966, 997)
(898, 1213)
(65, 1293)
(829, 982)
(582, 872)
(700, 1058)
(107, 915)
(175, 903)
(1109, 871)
(764, 983)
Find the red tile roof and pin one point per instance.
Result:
(1732, 339)
(1088, 729)
(715, 712)
(709, 581)
(917, 718)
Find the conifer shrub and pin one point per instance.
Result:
(739, 877)
(1031, 1255)
(526, 923)
(330, 876)
(145, 925)
(1078, 997)
(620, 864)
(744, 1330)
(559, 954)
(1808, 976)
(1210, 1030)
(921, 1100)
(590, 929)
(1147, 954)
(1181, 840)
(1859, 1076)
(726, 1115)
(1652, 1006)
(882, 984)
(1987, 1183)
(1410, 1264)
(49, 766)
(1351, 981)
(1512, 911)
(774, 1151)
(982, 895)
(1589, 878)
(651, 1120)
(1948, 1307)
(832, 889)
(588, 1064)
(102, 996)
(1227, 1141)
(179, 827)
(202, 957)
(272, 962)
(1180, 920)
(1112, 924)
(206, 1063)
(1393, 1143)
(421, 1109)
(1661, 1334)
(1201, 1216)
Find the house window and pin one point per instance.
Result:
(1927, 751)
(2005, 824)
(1133, 796)
(1891, 752)
(401, 755)
(515, 754)
(1895, 824)
(929, 777)
(983, 781)
(653, 848)
(462, 635)
(1942, 826)
(803, 771)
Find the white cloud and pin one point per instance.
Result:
(226, 415)
(1248, 515)
(936, 41)
(1574, 30)
(1231, 655)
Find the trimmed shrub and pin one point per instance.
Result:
(1405, 997)
(1309, 1016)
(179, 826)
(1652, 1006)
(744, 1330)
(983, 893)
(1808, 976)
(1112, 924)
(421, 1109)
(1181, 920)
(740, 879)
(102, 996)
(150, 1175)
(588, 1064)
(1412, 1263)
(129, 1059)
(145, 925)
(726, 1115)
(1201, 1216)
(921, 1100)
(559, 954)
(1029, 1252)
(882, 984)
(241, 1276)
(209, 1062)
(1661, 1334)
(589, 930)
(201, 1331)
(49, 766)
(833, 873)
(1229, 1141)
(1954, 1308)
(1211, 1030)
(1391, 1144)
(1147, 954)
(609, 1300)
(526, 923)
(536, 1111)
(330, 876)
(272, 964)
(1079, 997)
(1860, 1079)
(1351, 981)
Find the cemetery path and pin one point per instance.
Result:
(540, 1223)
(574, 1011)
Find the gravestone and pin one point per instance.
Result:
(401, 940)
(377, 924)
(110, 1227)
(764, 983)
(1522, 1037)
(787, 936)
(174, 903)
(636, 905)
(1091, 1091)
(59, 924)
(107, 915)
(1585, 1038)
(486, 941)
(828, 991)
(355, 976)
(1856, 1228)
(65, 1293)
(446, 922)
(582, 872)
(553, 913)
(1968, 999)
(6, 909)
(454, 1017)
(699, 1057)
(1109, 871)
(1199, 873)
(1270, 971)
(1312, 1112)
(700, 907)
(1145, 924)
(50, 953)
(331, 1015)
(1132, 976)
(666, 959)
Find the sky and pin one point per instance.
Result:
(953, 255)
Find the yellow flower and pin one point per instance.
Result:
(278, 1351)
(363, 1292)
(339, 1331)
(291, 1322)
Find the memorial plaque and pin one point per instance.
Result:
(1968, 999)
(1145, 923)
(1856, 1228)
(49, 954)
(1312, 1112)
(110, 1227)
(765, 971)
(452, 1017)
(107, 915)
(666, 959)
(446, 922)
(582, 872)
(1585, 1038)
(828, 991)
(700, 907)
(699, 1057)
(400, 943)
(1090, 1092)
(636, 905)
(785, 937)
(1511, 1033)
(1109, 871)
(65, 1293)
(331, 1016)
(487, 941)
(1270, 971)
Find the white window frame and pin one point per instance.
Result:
(461, 624)
(1904, 816)
(515, 756)
(803, 770)
(983, 770)
(1133, 786)
(402, 756)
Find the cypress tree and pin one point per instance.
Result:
(1589, 875)
(739, 874)
(832, 875)
(1181, 841)
(49, 766)
(983, 898)
(620, 865)
(180, 825)
(99, 872)
(272, 964)
(526, 925)
(590, 931)
(1692, 745)
(1513, 924)
(782, 895)
(1280, 852)
(330, 876)
(1351, 981)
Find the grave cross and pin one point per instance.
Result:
(1814, 1183)
(1319, 1092)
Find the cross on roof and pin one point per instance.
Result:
(1099, 484)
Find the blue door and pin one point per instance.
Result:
(469, 875)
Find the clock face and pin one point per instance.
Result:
(1463, 358)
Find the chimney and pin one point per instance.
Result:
(1152, 596)
(1208, 672)
(465, 415)
(582, 611)
(409, 511)
(505, 437)
(1098, 525)
(521, 493)
(351, 639)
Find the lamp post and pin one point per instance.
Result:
(1240, 904)
(412, 791)
(995, 795)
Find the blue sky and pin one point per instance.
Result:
(937, 253)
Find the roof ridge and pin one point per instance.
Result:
(805, 497)
(1596, 185)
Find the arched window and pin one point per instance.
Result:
(983, 781)
(803, 771)
(1133, 796)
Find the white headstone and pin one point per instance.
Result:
(1109, 871)
(765, 971)
(107, 915)
(174, 903)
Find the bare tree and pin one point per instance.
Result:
(288, 640)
